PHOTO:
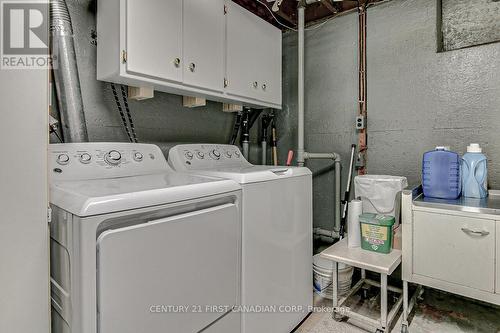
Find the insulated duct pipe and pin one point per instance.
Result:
(302, 155)
(65, 70)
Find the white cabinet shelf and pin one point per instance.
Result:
(213, 49)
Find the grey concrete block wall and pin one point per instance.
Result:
(417, 98)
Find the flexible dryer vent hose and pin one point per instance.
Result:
(65, 70)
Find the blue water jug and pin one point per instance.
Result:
(474, 172)
(441, 174)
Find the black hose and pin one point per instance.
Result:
(120, 110)
(129, 115)
(236, 128)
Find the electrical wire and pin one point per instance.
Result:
(54, 131)
(129, 115)
(275, 18)
(120, 110)
(320, 24)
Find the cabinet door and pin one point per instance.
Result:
(245, 52)
(455, 249)
(269, 63)
(204, 43)
(154, 38)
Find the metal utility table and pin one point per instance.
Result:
(451, 245)
(384, 264)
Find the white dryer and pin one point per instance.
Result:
(276, 233)
(137, 247)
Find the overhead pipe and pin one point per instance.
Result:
(302, 155)
(65, 71)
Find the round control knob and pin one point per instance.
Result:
(138, 157)
(189, 155)
(237, 154)
(200, 155)
(85, 158)
(113, 157)
(228, 154)
(215, 154)
(62, 159)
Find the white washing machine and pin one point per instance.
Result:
(276, 233)
(137, 247)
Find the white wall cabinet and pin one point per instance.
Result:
(252, 42)
(213, 49)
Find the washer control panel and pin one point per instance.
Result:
(76, 161)
(205, 156)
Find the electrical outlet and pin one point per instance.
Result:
(360, 122)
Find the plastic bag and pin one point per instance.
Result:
(380, 193)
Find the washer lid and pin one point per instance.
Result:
(102, 196)
(226, 161)
(255, 173)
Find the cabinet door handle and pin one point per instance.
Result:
(479, 233)
(177, 62)
(255, 84)
(192, 66)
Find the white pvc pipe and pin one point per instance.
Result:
(323, 156)
(336, 224)
(264, 152)
(325, 233)
(300, 146)
(302, 155)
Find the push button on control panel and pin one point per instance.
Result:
(62, 159)
(200, 155)
(237, 154)
(228, 154)
(138, 157)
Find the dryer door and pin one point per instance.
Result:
(167, 275)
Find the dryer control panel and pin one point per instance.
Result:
(206, 156)
(97, 160)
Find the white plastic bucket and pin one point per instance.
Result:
(322, 275)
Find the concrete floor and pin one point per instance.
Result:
(435, 312)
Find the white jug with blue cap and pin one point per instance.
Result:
(474, 172)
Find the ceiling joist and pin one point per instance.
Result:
(287, 13)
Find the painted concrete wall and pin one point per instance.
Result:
(417, 98)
